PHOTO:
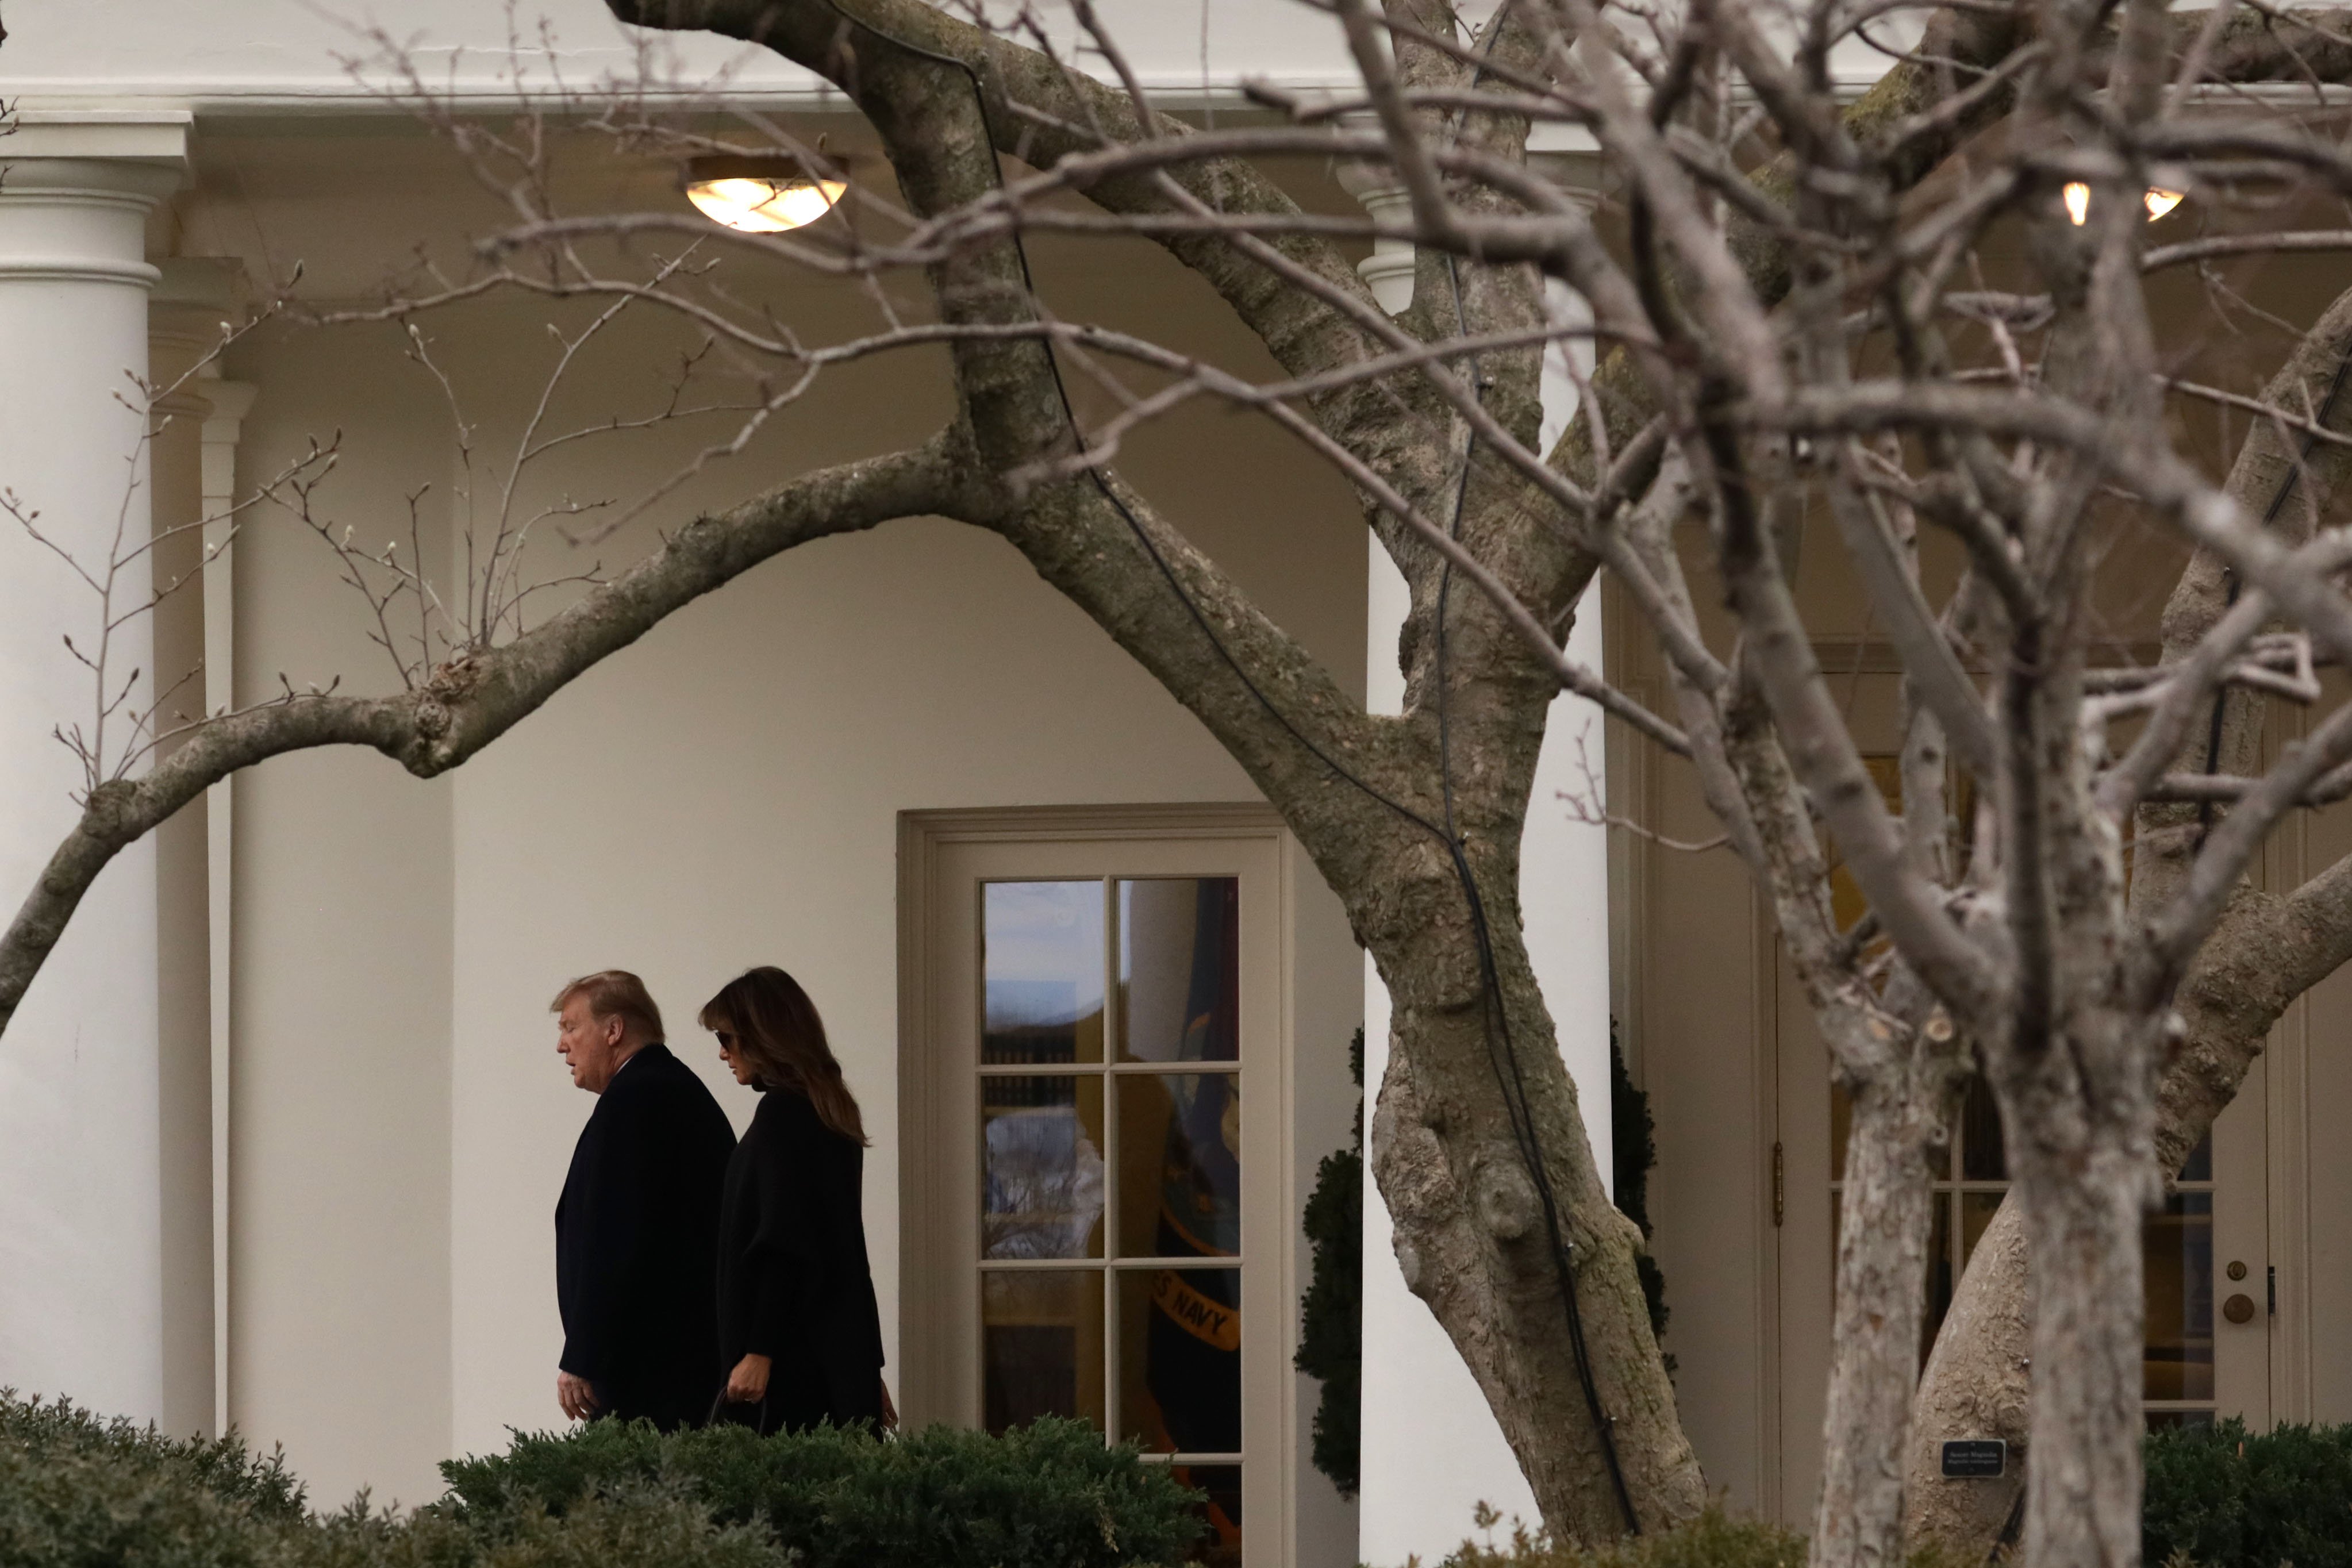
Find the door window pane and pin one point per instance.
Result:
(1042, 1167)
(1179, 1158)
(1941, 1280)
(1977, 1210)
(2199, 1166)
(1111, 1105)
(2179, 1250)
(1041, 1346)
(1042, 973)
(1179, 1359)
(1983, 1156)
(1180, 970)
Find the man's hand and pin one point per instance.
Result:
(890, 1411)
(577, 1395)
(748, 1383)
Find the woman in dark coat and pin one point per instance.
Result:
(797, 1322)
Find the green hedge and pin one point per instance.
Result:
(1714, 1540)
(78, 1492)
(1047, 1494)
(2222, 1497)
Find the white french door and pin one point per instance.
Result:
(1094, 1212)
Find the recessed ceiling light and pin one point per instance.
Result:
(2077, 196)
(761, 195)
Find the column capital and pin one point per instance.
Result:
(1569, 157)
(193, 303)
(78, 186)
(1566, 155)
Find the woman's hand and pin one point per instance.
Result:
(748, 1383)
(890, 1411)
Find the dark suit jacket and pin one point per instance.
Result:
(637, 1238)
(793, 1283)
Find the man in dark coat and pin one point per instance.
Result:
(636, 1232)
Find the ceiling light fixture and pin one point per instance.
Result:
(761, 195)
(2077, 196)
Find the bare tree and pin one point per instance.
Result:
(1798, 330)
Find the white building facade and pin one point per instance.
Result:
(283, 1118)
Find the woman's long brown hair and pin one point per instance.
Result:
(781, 1039)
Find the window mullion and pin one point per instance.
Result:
(1114, 1021)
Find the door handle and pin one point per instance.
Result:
(2238, 1309)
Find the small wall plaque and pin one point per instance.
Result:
(1976, 1458)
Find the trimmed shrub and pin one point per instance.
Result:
(78, 1492)
(1714, 1540)
(2224, 1498)
(634, 1526)
(1048, 1495)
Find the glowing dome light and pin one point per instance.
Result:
(764, 204)
(2077, 196)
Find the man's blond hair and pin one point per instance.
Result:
(614, 993)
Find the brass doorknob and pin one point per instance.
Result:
(2238, 1309)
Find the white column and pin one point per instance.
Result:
(81, 1265)
(1432, 1450)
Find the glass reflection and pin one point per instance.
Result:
(1180, 1354)
(2178, 1241)
(1180, 970)
(1041, 1346)
(1042, 1167)
(1179, 1144)
(1042, 971)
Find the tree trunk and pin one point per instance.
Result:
(2083, 1209)
(1473, 1240)
(1884, 1222)
(1978, 1384)
(2266, 952)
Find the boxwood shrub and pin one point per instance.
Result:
(2222, 1497)
(79, 1492)
(1714, 1540)
(1048, 1494)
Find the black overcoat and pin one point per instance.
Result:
(793, 1282)
(637, 1243)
